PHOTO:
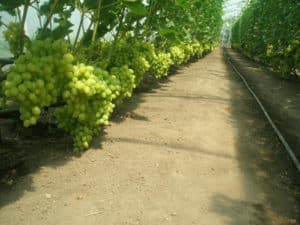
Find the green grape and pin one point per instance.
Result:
(90, 104)
(161, 64)
(188, 51)
(36, 111)
(147, 49)
(38, 78)
(177, 55)
(126, 82)
(90, 93)
(140, 66)
(198, 49)
(12, 36)
(125, 53)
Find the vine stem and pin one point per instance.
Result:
(111, 4)
(83, 37)
(83, 28)
(148, 19)
(22, 32)
(96, 24)
(18, 14)
(4, 24)
(117, 35)
(79, 28)
(51, 14)
(37, 12)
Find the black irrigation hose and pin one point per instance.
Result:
(5, 61)
(13, 112)
(276, 130)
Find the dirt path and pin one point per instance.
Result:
(196, 151)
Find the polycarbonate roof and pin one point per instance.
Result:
(233, 8)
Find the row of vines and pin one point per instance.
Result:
(92, 66)
(269, 32)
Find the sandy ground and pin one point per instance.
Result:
(196, 151)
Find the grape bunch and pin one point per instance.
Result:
(188, 51)
(38, 78)
(12, 36)
(125, 53)
(89, 104)
(140, 66)
(177, 55)
(207, 47)
(95, 54)
(147, 49)
(126, 81)
(161, 64)
(112, 82)
(198, 50)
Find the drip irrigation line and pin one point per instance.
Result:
(5, 61)
(276, 130)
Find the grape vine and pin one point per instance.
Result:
(268, 32)
(107, 60)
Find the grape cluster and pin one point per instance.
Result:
(126, 53)
(161, 64)
(46, 74)
(12, 36)
(95, 54)
(38, 78)
(177, 55)
(89, 104)
(140, 66)
(198, 50)
(188, 51)
(126, 81)
(147, 49)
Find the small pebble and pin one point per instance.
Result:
(48, 196)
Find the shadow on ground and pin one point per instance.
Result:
(263, 161)
(281, 97)
(43, 151)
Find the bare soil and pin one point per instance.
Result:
(281, 97)
(196, 150)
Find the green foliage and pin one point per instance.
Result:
(126, 53)
(269, 31)
(10, 6)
